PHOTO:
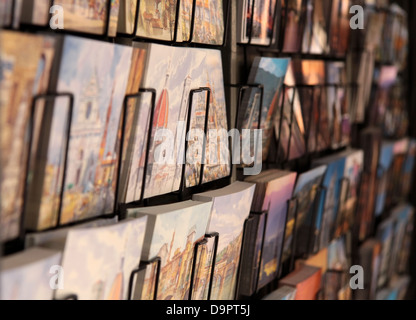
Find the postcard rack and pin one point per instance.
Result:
(143, 268)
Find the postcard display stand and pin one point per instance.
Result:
(234, 55)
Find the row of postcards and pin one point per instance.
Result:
(228, 243)
(313, 26)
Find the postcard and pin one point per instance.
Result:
(307, 281)
(328, 205)
(88, 16)
(157, 19)
(256, 21)
(97, 74)
(283, 293)
(230, 208)
(127, 16)
(171, 234)
(34, 12)
(385, 234)
(274, 190)
(289, 121)
(26, 275)
(306, 191)
(21, 69)
(354, 165)
(292, 13)
(270, 72)
(383, 174)
(109, 255)
(339, 31)
(137, 125)
(403, 216)
(209, 22)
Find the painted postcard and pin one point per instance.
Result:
(257, 22)
(339, 31)
(209, 22)
(89, 16)
(113, 18)
(6, 16)
(20, 71)
(329, 203)
(383, 174)
(292, 13)
(320, 27)
(171, 234)
(408, 168)
(337, 255)
(182, 70)
(278, 191)
(137, 124)
(203, 270)
(230, 208)
(338, 116)
(109, 255)
(185, 19)
(26, 275)
(97, 74)
(157, 19)
(34, 12)
(138, 141)
(270, 72)
(403, 215)
(289, 122)
(306, 191)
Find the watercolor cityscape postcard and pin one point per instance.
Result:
(88, 16)
(26, 275)
(108, 254)
(209, 22)
(97, 74)
(273, 197)
(171, 234)
(257, 22)
(306, 191)
(230, 208)
(20, 77)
